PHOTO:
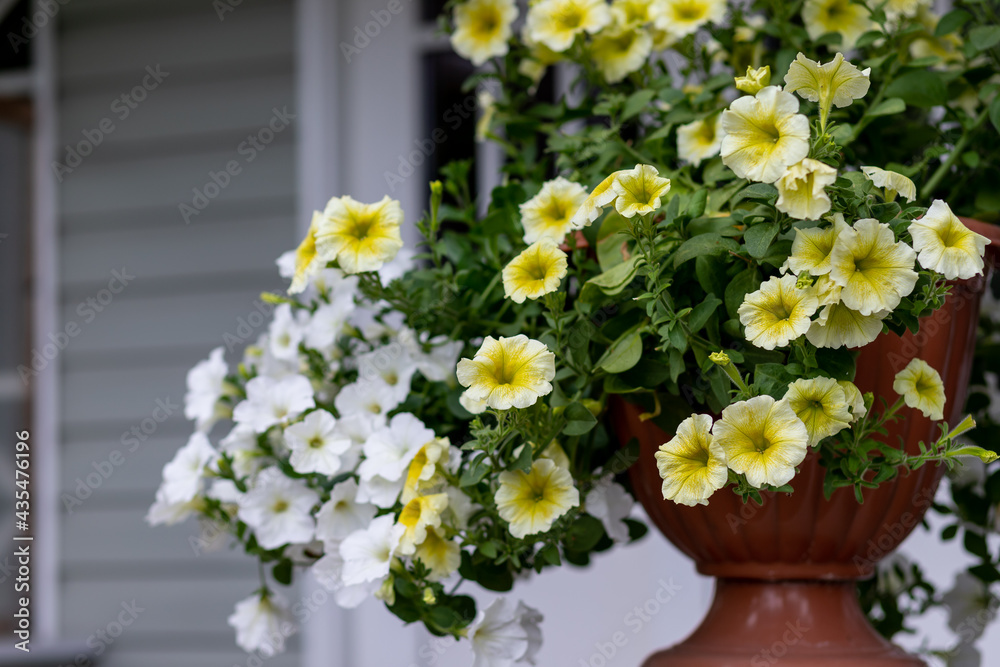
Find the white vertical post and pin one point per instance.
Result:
(45, 445)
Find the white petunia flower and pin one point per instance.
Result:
(279, 510)
(390, 364)
(165, 512)
(357, 428)
(505, 633)
(262, 623)
(611, 503)
(342, 514)
(285, 333)
(368, 553)
(315, 444)
(329, 572)
(372, 397)
(380, 491)
(241, 444)
(182, 477)
(390, 449)
(259, 357)
(437, 364)
(324, 326)
(205, 386)
(271, 401)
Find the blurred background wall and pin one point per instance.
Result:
(155, 157)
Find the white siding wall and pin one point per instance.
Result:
(119, 209)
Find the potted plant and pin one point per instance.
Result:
(732, 290)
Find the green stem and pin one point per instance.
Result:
(932, 183)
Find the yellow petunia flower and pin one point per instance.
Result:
(874, 270)
(549, 214)
(921, 388)
(821, 404)
(441, 556)
(812, 248)
(361, 237)
(777, 313)
(947, 246)
(620, 50)
(840, 326)
(638, 191)
(699, 140)
(483, 29)
(802, 189)
(636, 12)
(508, 373)
(763, 439)
(423, 471)
(680, 18)
(692, 464)
(891, 182)
(755, 80)
(850, 20)
(418, 515)
(534, 273)
(855, 400)
(898, 9)
(307, 263)
(531, 502)
(837, 83)
(764, 135)
(557, 23)
(594, 204)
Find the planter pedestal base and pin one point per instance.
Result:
(786, 624)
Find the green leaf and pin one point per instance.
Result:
(888, 107)
(760, 191)
(995, 112)
(836, 363)
(623, 354)
(696, 206)
(550, 554)
(743, 283)
(487, 574)
(282, 572)
(773, 379)
(699, 316)
(949, 532)
(636, 529)
(585, 532)
(477, 470)
(523, 460)
(579, 420)
(985, 37)
(919, 88)
(704, 244)
(711, 273)
(975, 544)
(758, 238)
(616, 279)
(445, 618)
(951, 22)
(637, 102)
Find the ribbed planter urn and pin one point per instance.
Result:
(785, 571)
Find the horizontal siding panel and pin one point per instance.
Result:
(136, 468)
(94, 537)
(168, 606)
(220, 212)
(97, 188)
(178, 250)
(188, 658)
(126, 396)
(181, 320)
(198, 40)
(176, 110)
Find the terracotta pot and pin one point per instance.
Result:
(786, 570)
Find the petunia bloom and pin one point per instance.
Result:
(530, 502)
(537, 271)
(921, 387)
(699, 140)
(691, 464)
(945, 245)
(508, 373)
(763, 439)
(764, 135)
(821, 404)
(874, 270)
(483, 29)
(638, 191)
(891, 182)
(802, 189)
(548, 215)
(361, 237)
(777, 313)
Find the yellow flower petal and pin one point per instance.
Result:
(777, 313)
(548, 215)
(683, 17)
(531, 502)
(874, 270)
(557, 23)
(360, 237)
(594, 204)
(812, 249)
(618, 51)
(638, 190)
(921, 388)
(692, 464)
(763, 439)
(821, 404)
(307, 263)
(839, 326)
(442, 557)
(508, 373)
(483, 29)
(537, 271)
(418, 515)
(764, 135)
(423, 471)
(947, 246)
(892, 182)
(755, 79)
(848, 19)
(699, 140)
(855, 400)
(802, 189)
(837, 82)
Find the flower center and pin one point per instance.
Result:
(570, 18)
(950, 236)
(362, 227)
(689, 11)
(316, 442)
(488, 23)
(280, 506)
(391, 378)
